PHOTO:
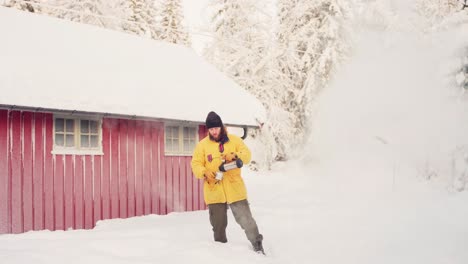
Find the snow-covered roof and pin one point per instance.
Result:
(50, 63)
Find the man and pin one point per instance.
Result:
(209, 154)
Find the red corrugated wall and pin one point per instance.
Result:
(39, 190)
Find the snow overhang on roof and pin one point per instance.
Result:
(56, 64)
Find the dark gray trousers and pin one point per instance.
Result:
(243, 216)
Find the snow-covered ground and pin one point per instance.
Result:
(307, 214)
(358, 194)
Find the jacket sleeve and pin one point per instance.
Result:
(198, 162)
(242, 151)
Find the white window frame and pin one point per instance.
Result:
(77, 149)
(181, 151)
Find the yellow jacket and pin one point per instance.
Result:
(207, 156)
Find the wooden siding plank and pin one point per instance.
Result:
(202, 132)
(147, 168)
(97, 197)
(131, 169)
(49, 203)
(183, 183)
(123, 163)
(139, 168)
(155, 168)
(162, 175)
(88, 191)
(5, 199)
(38, 171)
(58, 192)
(105, 180)
(169, 185)
(68, 193)
(176, 184)
(189, 184)
(16, 173)
(79, 199)
(27, 164)
(114, 168)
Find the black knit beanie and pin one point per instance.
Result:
(213, 120)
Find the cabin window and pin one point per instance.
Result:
(180, 140)
(74, 135)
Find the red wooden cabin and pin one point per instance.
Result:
(96, 124)
(55, 174)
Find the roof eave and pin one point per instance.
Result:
(113, 115)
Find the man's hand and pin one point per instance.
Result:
(229, 156)
(210, 177)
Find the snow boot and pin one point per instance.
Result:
(258, 245)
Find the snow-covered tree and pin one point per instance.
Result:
(172, 27)
(288, 74)
(79, 11)
(461, 75)
(141, 18)
(241, 48)
(241, 39)
(94, 12)
(436, 10)
(134, 16)
(25, 5)
(311, 43)
(330, 42)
